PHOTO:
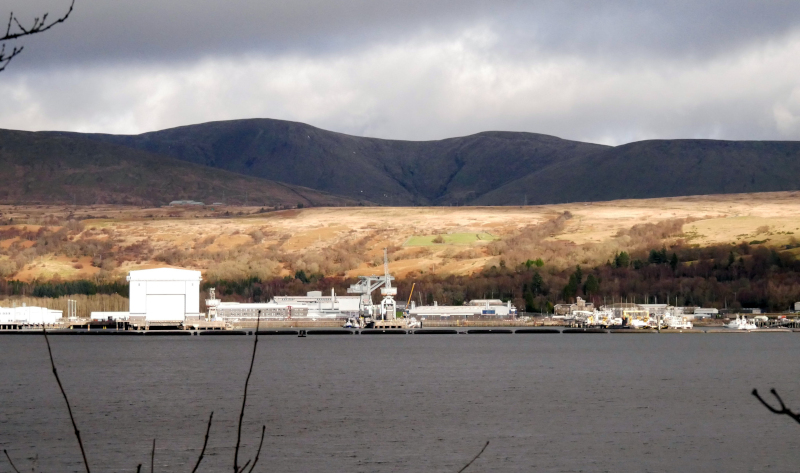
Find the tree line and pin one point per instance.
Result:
(732, 276)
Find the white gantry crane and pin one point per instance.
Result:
(388, 305)
(367, 284)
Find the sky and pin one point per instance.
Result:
(608, 72)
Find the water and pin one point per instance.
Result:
(622, 403)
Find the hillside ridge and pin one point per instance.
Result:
(486, 168)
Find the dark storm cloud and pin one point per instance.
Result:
(184, 30)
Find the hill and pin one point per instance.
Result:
(390, 172)
(489, 168)
(661, 168)
(69, 168)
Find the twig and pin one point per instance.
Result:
(476, 457)
(139, 468)
(263, 429)
(782, 411)
(205, 442)
(153, 456)
(9, 461)
(69, 409)
(4, 60)
(244, 400)
(38, 25)
(245, 466)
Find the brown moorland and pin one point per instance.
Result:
(98, 242)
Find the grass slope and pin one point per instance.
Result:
(449, 239)
(50, 168)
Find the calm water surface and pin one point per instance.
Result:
(565, 403)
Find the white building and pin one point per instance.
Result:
(164, 296)
(26, 315)
(474, 308)
(703, 313)
(232, 312)
(316, 303)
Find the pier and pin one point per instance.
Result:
(328, 331)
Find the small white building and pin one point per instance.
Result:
(164, 295)
(28, 315)
(703, 312)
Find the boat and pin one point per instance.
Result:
(741, 323)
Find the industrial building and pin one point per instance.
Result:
(15, 317)
(313, 305)
(477, 308)
(163, 296)
(316, 303)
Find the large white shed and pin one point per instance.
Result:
(164, 294)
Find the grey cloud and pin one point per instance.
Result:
(185, 30)
(608, 72)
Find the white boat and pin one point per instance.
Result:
(741, 323)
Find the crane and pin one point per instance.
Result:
(408, 303)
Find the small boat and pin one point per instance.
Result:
(741, 323)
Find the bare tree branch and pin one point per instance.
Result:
(244, 400)
(205, 442)
(263, 429)
(9, 461)
(476, 457)
(153, 456)
(139, 468)
(244, 466)
(40, 25)
(63, 393)
(782, 411)
(4, 60)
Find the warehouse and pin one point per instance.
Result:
(475, 309)
(14, 317)
(163, 296)
(316, 303)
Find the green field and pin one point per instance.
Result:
(449, 239)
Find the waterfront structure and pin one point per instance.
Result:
(704, 313)
(163, 296)
(28, 315)
(477, 308)
(318, 304)
(579, 305)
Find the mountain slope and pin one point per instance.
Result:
(455, 170)
(660, 168)
(490, 168)
(66, 168)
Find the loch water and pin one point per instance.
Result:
(405, 403)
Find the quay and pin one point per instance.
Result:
(322, 331)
